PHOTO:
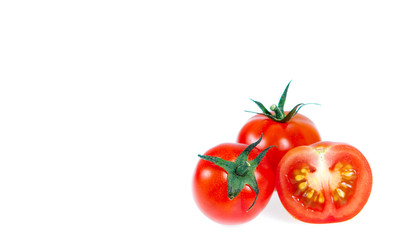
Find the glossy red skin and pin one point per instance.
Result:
(333, 152)
(299, 131)
(210, 187)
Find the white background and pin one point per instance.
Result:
(104, 106)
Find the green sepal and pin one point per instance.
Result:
(295, 110)
(243, 157)
(241, 172)
(226, 165)
(283, 97)
(263, 108)
(278, 114)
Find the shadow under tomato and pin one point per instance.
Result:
(275, 210)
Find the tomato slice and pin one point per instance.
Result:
(324, 182)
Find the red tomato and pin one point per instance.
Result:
(213, 186)
(298, 131)
(324, 183)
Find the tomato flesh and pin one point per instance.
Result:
(325, 182)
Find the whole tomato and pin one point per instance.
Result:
(285, 130)
(229, 184)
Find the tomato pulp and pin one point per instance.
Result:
(324, 182)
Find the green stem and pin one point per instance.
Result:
(241, 170)
(279, 113)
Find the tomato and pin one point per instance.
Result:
(229, 184)
(299, 131)
(324, 182)
(285, 130)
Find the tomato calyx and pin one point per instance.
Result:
(277, 113)
(241, 172)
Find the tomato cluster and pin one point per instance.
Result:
(316, 181)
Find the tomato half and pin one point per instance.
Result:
(298, 131)
(323, 183)
(211, 186)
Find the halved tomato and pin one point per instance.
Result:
(323, 183)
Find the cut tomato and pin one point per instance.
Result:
(324, 182)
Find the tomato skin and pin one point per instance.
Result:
(299, 131)
(211, 192)
(330, 153)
